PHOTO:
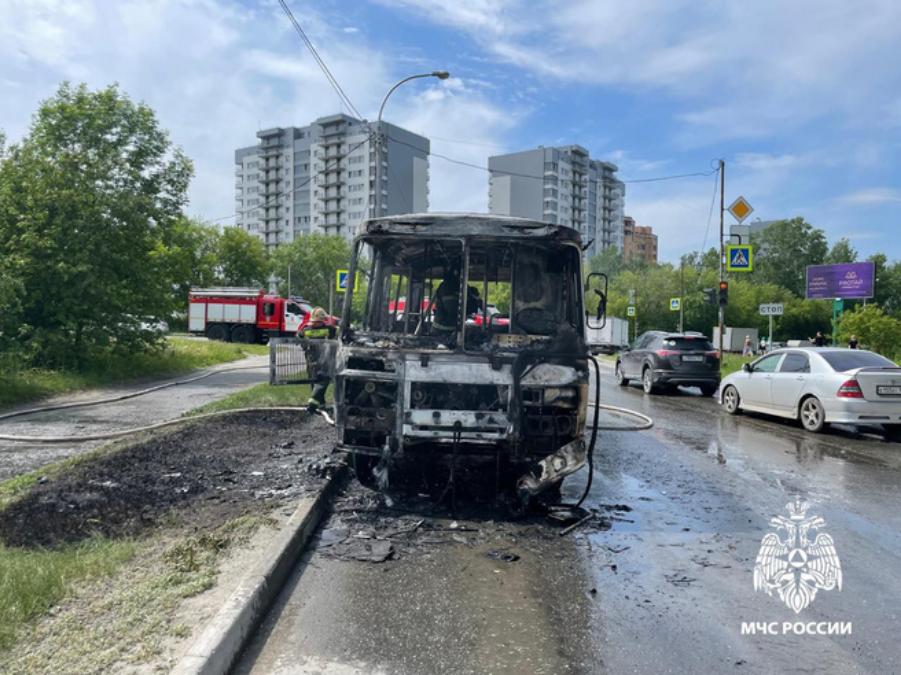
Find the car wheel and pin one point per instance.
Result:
(647, 381)
(621, 379)
(893, 433)
(731, 400)
(709, 389)
(813, 417)
(217, 332)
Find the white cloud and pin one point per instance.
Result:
(872, 197)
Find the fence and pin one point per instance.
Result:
(287, 361)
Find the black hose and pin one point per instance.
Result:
(594, 430)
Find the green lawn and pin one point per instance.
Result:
(34, 580)
(260, 396)
(181, 355)
(733, 362)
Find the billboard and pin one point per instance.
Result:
(847, 280)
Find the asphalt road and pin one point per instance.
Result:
(665, 590)
(158, 406)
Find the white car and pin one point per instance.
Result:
(819, 385)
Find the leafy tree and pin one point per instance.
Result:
(609, 261)
(87, 201)
(874, 329)
(242, 258)
(888, 284)
(784, 250)
(841, 252)
(313, 260)
(192, 256)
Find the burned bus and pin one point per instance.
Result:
(463, 338)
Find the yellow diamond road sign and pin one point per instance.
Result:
(740, 209)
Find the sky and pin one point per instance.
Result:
(801, 99)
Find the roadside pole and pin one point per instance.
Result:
(722, 310)
(682, 297)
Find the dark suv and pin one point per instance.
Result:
(665, 360)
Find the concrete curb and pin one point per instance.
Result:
(226, 634)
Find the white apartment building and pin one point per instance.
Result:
(561, 185)
(321, 178)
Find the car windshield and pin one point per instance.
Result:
(687, 343)
(853, 358)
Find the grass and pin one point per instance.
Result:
(127, 618)
(260, 396)
(179, 356)
(34, 580)
(734, 362)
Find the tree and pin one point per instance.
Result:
(609, 261)
(242, 258)
(888, 284)
(784, 250)
(313, 260)
(192, 256)
(841, 252)
(87, 201)
(874, 329)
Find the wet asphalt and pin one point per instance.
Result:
(17, 458)
(665, 590)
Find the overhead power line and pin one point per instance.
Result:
(325, 70)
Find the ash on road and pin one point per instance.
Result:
(158, 406)
(665, 589)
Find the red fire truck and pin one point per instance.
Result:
(234, 314)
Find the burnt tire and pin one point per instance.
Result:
(731, 400)
(244, 334)
(363, 466)
(621, 379)
(218, 332)
(812, 415)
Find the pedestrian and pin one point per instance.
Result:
(761, 346)
(319, 328)
(819, 340)
(747, 349)
(852, 343)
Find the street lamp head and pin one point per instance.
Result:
(441, 74)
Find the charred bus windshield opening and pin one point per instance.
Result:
(495, 295)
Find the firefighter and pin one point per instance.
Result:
(447, 303)
(320, 327)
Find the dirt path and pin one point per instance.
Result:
(17, 458)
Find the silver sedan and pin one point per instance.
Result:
(819, 385)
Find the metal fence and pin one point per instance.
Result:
(287, 361)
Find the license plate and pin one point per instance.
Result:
(692, 358)
(886, 390)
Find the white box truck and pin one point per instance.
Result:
(612, 337)
(734, 338)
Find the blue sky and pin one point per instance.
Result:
(802, 99)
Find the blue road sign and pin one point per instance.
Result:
(739, 258)
(341, 280)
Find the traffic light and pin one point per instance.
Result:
(710, 296)
(724, 293)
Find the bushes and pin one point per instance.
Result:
(874, 329)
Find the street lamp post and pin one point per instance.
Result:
(377, 192)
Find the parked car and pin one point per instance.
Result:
(818, 386)
(661, 361)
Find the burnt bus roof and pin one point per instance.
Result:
(468, 224)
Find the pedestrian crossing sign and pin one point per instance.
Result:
(340, 280)
(739, 258)
(675, 304)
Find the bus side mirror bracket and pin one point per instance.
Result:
(597, 283)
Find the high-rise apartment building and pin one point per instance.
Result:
(561, 185)
(321, 178)
(638, 241)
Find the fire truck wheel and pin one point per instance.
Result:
(217, 332)
(244, 334)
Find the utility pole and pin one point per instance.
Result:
(722, 310)
(681, 296)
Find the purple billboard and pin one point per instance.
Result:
(848, 280)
